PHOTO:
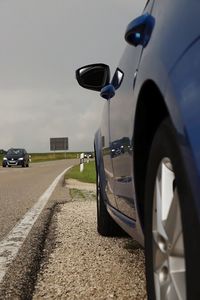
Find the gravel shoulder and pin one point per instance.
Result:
(80, 264)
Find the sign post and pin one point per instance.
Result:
(58, 144)
(81, 162)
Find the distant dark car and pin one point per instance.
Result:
(88, 155)
(147, 149)
(16, 157)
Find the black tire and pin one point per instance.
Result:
(166, 144)
(106, 226)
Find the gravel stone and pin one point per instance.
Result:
(84, 265)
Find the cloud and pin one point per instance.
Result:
(42, 43)
(30, 118)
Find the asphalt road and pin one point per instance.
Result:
(20, 188)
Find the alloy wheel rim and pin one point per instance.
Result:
(168, 246)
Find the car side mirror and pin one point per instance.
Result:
(139, 30)
(93, 77)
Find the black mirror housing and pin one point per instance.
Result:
(93, 77)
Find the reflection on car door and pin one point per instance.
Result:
(122, 108)
(108, 168)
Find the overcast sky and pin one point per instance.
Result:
(43, 42)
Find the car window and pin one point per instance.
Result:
(117, 78)
(14, 151)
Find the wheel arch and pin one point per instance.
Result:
(151, 110)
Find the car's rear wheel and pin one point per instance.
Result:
(106, 226)
(165, 218)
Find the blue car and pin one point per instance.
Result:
(147, 148)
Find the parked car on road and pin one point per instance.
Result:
(151, 189)
(16, 157)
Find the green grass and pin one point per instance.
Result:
(39, 157)
(1, 158)
(84, 195)
(88, 174)
(75, 193)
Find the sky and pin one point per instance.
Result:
(43, 42)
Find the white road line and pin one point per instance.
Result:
(12, 243)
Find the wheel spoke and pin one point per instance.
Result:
(177, 272)
(169, 285)
(163, 196)
(171, 293)
(162, 286)
(173, 227)
(159, 255)
(178, 246)
(167, 176)
(157, 209)
(157, 285)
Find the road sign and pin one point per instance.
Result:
(60, 143)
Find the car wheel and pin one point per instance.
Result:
(167, 228)
(106, 226)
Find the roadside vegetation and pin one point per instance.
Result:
(84, 195)
(39, 157)
(88, 174)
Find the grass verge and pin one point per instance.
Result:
(77, 195)
(88, 174)
(39, 157)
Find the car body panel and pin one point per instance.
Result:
(121, 114)
(182, 96)
(107, 161)
(170, 62)
(158, 62)
(121, 129)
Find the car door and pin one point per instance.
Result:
(122, 111)
(107, 161)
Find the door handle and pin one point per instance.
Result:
(139, 30)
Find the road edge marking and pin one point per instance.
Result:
(11, 244)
